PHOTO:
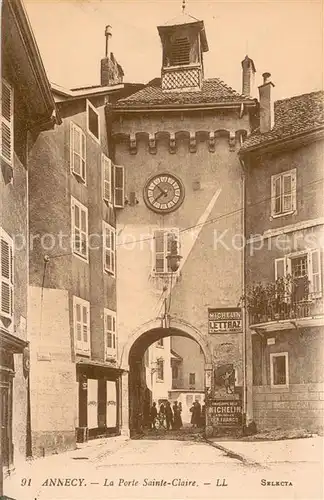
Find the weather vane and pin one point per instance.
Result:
(183, 6)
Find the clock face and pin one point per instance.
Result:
(163, 193)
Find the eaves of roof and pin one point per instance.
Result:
(181, 107)
(68, 94)
(34, 58)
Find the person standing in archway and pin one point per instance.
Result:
(168, 415)
(180, 418)
(198, 414)
(153, 415)
(176, 416)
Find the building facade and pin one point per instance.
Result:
(188, 374)
(157, 360)
(72, 272)
(178, 139)
(188, 364)
(284, 261)
(27, 108)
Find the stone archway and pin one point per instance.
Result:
(133, 352)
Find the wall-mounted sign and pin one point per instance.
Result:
(225, 320)
(225, 413)
(271, 341)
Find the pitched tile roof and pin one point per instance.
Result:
(295, 115)
(213, 90)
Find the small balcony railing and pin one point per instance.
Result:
(286, 308)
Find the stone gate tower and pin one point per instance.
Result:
(177, 139)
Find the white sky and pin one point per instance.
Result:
(282, 37)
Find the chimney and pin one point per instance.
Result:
(111, 73)
(266, 104)
(248, 76)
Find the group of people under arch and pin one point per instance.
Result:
(169, 417)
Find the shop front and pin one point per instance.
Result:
(98, 400)
(11, 345)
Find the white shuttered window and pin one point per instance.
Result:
(7, 122)
(110, 333)
(283, 193)
(106, 178)
(109, 248)
(119, 186)
(81, 313)
(162, 248)
(6, 276)
(79, 228)
(78, 151)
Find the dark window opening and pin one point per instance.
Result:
(279, 370)
(180, 52)
(93, 122)
(160, 369)
(175, 371)
(192, 379)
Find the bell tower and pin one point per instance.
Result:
(183, 43)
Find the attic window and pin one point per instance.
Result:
(180, 52)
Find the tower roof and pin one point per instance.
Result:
(182, 20)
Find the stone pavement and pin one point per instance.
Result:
(90, 451)
(264, 452)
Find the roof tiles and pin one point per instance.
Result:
(295, 115)
(213, 90)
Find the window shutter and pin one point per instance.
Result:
(109, 248)
(78, 323)
(83, 155)
(79, 228)
(287, 193)
(110, 332)
(7, 120)
(71, 146)
(158, 253)
(315, 272)
(275, 194)
(293, 190)
(119, 186)
(6, 275)
(106, 173)
(82, 324)
(280, 268)
(77, 151)
(85, 324)
(113, 249)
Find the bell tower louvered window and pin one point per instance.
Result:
(180, 52)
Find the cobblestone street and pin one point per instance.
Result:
(167, 468)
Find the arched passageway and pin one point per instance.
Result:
(140, 390)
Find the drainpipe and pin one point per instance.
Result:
(243, 267)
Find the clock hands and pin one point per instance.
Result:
(162, 190)
(164, 193)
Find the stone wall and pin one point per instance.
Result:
(299, 406)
